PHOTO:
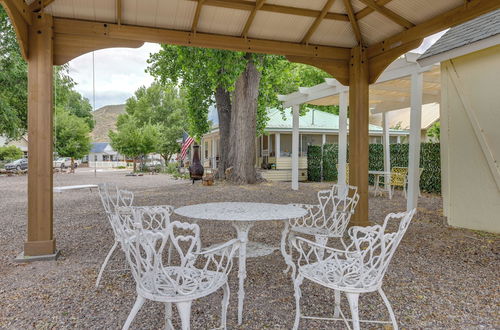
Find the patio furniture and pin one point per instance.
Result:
(75, 187)
(358, 268)
(377, 181)
(242, 216)
(180, 284)
(328, 218)
(111, 198)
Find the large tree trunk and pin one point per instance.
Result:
(223, 102)
(243, 125)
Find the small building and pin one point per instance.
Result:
(102, 152)
(470, 119)
(274, 148)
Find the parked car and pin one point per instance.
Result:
(17, 165)
(64, 162)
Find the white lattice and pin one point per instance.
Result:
(358, 268)
(197, 274)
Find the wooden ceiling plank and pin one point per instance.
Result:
(388, 13)
(119, 12)
(354, 22)
(459, 15)
(196, 18)
(317, 21)
(183, 38)
(258, 5)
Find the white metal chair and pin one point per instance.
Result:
(111, 198)
(180, 284)
(327, 219)
(358, 268)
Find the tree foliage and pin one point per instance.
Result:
(434, 131)
(10, 153)
(71, 134)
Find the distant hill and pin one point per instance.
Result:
(105, 120)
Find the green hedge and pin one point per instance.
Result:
(430, 161)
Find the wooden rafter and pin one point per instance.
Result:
(367, 10)
(388, 13)
(39, 4)
(317, 21)
(354, 21)
(459, 15)
(24, 11)
(258, 5)
(182, 38)
(20, 25)
(119, 12)
(196, 18)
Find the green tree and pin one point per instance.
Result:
(10, 153)
(133, 140)
(163, 106)
(71, 135)
(242, 86)
(434, 131)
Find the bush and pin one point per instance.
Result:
(9, 153)
(430, 161)
(171, 168)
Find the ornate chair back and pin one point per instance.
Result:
(374, 248)
(337, 206)
(398, 176)
(113, 198)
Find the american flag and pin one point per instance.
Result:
(187, 141)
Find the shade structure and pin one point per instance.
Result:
(353, 40)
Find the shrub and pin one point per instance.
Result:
(171, 168)
(9, 153)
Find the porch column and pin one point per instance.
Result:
(40, 240)
(387, 147)
(295, 147)
(278, 145)
(358, 131)
(342, 139)
(414, 148)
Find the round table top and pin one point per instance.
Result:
(239, 211)
(379, 172)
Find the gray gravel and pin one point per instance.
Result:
(440, 277)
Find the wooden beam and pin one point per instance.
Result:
(459, 15)
(358, 132)
(258, 5)
(367, 10)
(182, 38)
(37, 5)
(353, 20)
(119, 12)
(23, 10)
(389, 14)
(19, 24)
(317, 21)
(196, 18)
(336, 68)
(40, 198)
(68, 47)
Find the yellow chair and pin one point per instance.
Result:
(399, 178)
(346, 172)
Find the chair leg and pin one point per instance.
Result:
(110, 253)
(353, 298)
(225, 304)
(138, 304)
(321, 240)
(184, 309)
(389, 308)
(168, 316)
(297, 282)
(336, 311)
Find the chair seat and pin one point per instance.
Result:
(314, 231)
(343, 275)
(190, 284)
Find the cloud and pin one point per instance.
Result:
(119, 72)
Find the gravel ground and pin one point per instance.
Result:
(440, 277)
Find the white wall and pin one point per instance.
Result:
(471, 196)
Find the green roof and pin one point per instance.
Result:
(311, 120)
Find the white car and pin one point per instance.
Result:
(64, 162)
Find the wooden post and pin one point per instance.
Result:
(40, 70)
(342, 140)
(295, 147)
(358, 131)
(414, 148)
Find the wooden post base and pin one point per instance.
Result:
(39, 248)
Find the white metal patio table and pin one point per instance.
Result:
(242, 216)
(377, 175)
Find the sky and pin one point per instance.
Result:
(119, 72)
